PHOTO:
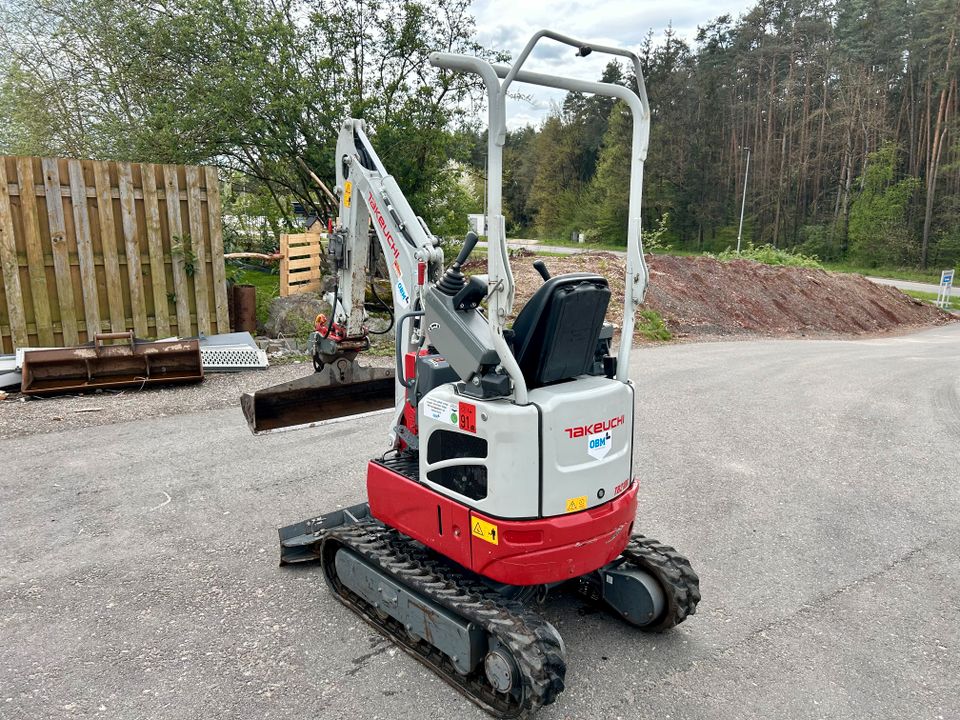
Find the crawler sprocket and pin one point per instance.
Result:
(672, 571)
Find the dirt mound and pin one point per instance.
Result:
(703, 297)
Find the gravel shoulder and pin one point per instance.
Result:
(21, 415)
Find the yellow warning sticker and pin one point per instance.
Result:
(484, 530)
(347, 192)
(577, 503)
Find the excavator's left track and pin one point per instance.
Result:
(513, 660)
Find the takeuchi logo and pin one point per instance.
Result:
(598, 427)
(383, 225)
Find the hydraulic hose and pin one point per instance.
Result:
(373, 291)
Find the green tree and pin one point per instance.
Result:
(519, 171)
(611, 186)
(256, 86)
(878, 232)
(554, 197)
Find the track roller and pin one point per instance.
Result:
(501, 655)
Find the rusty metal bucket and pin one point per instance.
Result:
(136, 363)
(339, 390)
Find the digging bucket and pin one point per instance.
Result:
(339, 390)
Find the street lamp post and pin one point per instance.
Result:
(743, 205)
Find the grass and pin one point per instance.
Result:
(769, 255)
(651, 326)
(382, 349)
(289, 359)
(264, 281)
(932, 298)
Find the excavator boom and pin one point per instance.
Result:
(341, 387)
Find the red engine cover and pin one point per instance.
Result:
(516, 552)
(415, 510)
(530, 552)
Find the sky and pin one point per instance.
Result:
(508, 24)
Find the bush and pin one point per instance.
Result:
(946, 251)
(651, 326)
(769, 255)
(879, 233)
(656, 239)
(819, 242)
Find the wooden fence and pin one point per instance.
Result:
(301, 259)
(89, 246)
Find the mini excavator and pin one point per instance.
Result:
(510, 466)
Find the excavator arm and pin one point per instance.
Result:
(445, 310)
(370, 196)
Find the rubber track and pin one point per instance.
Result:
(680, 583)
(532, 641)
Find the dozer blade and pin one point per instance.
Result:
(339, 390)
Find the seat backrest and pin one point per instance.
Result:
(556, 332)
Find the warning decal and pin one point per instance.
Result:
(347, 192)
(484, 530)
(577, 503)
(468, 417)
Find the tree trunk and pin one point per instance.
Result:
(936, 150)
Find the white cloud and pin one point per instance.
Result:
(508, 24)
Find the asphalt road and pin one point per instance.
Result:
(813, 484)
(909, 285)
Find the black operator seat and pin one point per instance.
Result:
(555, 335)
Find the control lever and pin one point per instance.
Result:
(453, 280)
(542, 269)
(469, 243)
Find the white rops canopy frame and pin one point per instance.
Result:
(499, 274)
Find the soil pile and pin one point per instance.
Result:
(700, 297)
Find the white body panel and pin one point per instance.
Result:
(587, 442)
(583, 430)
(512, 462)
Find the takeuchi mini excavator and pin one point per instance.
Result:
(510, 465)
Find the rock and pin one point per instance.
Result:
(294, 315)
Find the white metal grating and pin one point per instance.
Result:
(232, 357)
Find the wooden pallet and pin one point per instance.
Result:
(301, 263)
